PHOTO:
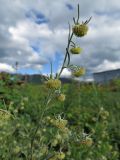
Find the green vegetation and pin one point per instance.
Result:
(89, 109)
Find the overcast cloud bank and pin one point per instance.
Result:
(32, 32)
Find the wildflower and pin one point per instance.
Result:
(54, 142)
(60, 123)
(78, 72)
(80, 30)
(75, 50)
(88, 141)
(4, 115)
(104, 114)
(58, 137)
(61, 97)
(60, 156)
(53, 84)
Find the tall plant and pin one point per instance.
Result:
(53, 85)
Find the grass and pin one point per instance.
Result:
(84, 108)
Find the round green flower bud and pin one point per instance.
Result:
(61, 97)
(55, 142)
(60, 155)
(75, 50)
(4, 115)
(104, 114)
(58, 137)
(79, 72)
(53, 84)
(88, 142)
(80, 30)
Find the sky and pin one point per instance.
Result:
(34, 33)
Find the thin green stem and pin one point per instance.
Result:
(72, 42)
(39, 124)
(78, 14)
(69, 31)
(51, 70)
(63, 65)
(74, 20)
(68, 57)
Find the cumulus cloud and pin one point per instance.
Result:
(6, 68)
(107, 65)
(32, 32)
(66, 73)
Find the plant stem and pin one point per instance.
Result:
(67, 49)
(39, 124)
(78, 14)
(51, 75)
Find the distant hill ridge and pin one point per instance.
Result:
(36, 78)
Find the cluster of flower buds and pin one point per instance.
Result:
(77, 71)
(80, 30)
(76, 50)
(60, 97)
(104, 114)
(61, 124)
(4, 115)
(87, 142)
(58, 139)
(53, 84)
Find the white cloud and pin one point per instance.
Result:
(107, 65)
(66, 73)
(6, 68)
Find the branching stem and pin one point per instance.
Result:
(67, 52)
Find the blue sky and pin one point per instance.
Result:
(35, 33)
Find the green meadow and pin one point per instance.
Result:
(91, 111)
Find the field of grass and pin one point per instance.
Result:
(92, 114)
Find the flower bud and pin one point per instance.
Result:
(60, 156)
(61, 97)
(79, 72)
(75, 50)
(88, 142)
(80, 30)
(53, 84)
